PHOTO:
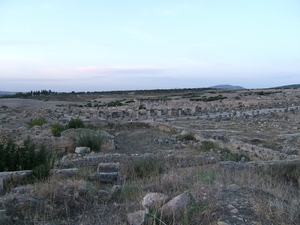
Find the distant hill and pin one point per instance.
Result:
(227, 87)
(6, 93)
(289, 86)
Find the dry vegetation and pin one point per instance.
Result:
(224, 183)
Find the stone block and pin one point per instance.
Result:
(136, 218)
(154, 200)
(108, 167)
(82, 150)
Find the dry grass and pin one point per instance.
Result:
(77, 200)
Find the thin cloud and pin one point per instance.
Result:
(143, 35)
(138, 34)
(4, 43)
(119, 69)
(173, 9)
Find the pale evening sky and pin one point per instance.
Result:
(72, 45)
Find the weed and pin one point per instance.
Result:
(207, 176)
(75, 123)
(192, 211)
(148, 165)
(131, 191)
(39, 172)
(154, 217)
(286, 172)
(142, 107)
(115, 103)
(56, 130)
(26, 157)
(91, 189)
(37, 122)
(4, 107)
(207, 145)
(90, 138)
(230, 156)
(187, 137)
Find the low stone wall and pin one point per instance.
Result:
(287, 170)
(20, 177)
(257, 153)
(92, 160)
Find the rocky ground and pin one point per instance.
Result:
(235, 170)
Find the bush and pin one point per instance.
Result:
(286, 172)
(90, 138)
(75, 123)
(14, 158)
(40, 172)
(37, 122)
(131, 191)
(56, 130)
(207, 145)
(142, 107)
(115, 103)
(230, 156)
(148, 165)
(207, 176)
(187, 137)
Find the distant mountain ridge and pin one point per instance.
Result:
(228, 87)
(289, 86)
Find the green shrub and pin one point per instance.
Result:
(142, 107)
(89, 104)
(56, 130)
(286, 172)
(209, 99)
(129, 101)
(191, 211)
(207, 176)
(207, 145)
(37, 122)
(40, 172)
(131, 191)
(230, 156)
(75, 123)
(90, 138)
(115, 103)
(187, 137)
(148, 165)
(26, 157)
(154, 216)
(142, 167)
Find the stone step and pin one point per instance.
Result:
(108, 167)
(106, 177)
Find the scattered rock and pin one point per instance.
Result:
(137, 218)
(108, 167)
(116, 190)
(82, 150)
(109, 177)
(222, 223)
(154, 200)
(23, 189)
(233, 187)
(175, 205)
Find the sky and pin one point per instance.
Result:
(97, 45)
